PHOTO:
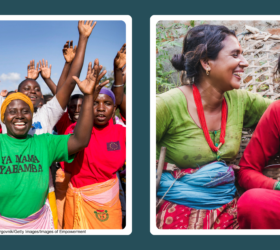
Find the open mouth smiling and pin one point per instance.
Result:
(33, 98)
(20, 125)
(238, 74)
(76, 116)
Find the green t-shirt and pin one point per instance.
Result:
(185, 143)
(24, 171)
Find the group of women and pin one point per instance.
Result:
(200, 124)
(90, 146)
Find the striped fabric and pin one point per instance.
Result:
(39, 220)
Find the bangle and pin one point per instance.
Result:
(118, 85)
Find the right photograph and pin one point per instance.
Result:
(217, 124)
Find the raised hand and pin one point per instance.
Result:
(4, 93)
(91, 86)
(68, 52)
(85, 29)
(32, 72)
(97, 68)
(120, 59)
(44, 70)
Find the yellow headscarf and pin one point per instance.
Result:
(15, 96)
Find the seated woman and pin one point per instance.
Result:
(24, 175)
(258, 208)
(201, 124)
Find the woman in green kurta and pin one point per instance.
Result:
(213, 58)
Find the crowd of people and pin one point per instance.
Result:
(200, 124)
(63, 156)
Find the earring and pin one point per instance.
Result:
(207, 72)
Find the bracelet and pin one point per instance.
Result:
(118, 85)
(277, 186)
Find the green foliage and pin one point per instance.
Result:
(109, 76)
(166, 37)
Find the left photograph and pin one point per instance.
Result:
(63, 125)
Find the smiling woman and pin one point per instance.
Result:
(24, 176)
(200, 124)
(18, 117)
(30, 88)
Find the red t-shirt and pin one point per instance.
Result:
(263, 145)
(104, 155)
(63, 124)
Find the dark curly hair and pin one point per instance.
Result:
(200, 42)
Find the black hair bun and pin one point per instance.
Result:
(178, 62)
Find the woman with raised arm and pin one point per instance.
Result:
(70, 117)
(45, 118)
(24, 174)
(92, 198)
(200, 124)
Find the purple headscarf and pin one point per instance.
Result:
(108, 92)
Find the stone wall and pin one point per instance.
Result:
(271, 26)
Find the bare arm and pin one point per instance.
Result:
(123, 107)
(118, 86)
(45, 72)
(69, 54)
(90, 88)
(67, 88)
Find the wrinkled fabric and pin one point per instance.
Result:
(174, 216)
(259, 208)
(185, 143)
(42, 219)
(61, 185)
(208, 188)
(96, 206)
